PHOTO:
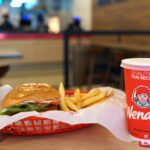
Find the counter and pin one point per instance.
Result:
(36, 47)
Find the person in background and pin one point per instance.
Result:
(41, 27)
(25, 24)
(6, 26)
(75, 25)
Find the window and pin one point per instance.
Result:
(34, 15)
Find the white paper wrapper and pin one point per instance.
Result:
(110, 114)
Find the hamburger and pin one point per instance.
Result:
(31, 97)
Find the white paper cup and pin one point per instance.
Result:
(137, 87)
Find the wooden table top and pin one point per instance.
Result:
(94, 137)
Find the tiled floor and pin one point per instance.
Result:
(47, 73)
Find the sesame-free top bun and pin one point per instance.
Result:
(36, 92)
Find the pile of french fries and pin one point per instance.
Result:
(81, 100)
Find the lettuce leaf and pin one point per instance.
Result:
(24, 108)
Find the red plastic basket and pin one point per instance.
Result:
(40, 126)
(37, 126)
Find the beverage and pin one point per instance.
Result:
(137, 87)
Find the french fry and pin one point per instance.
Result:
(94, 99)
(92, 93)
(77, 93)
(61, 90)
(99, 102)
(79, 104)
(110, 94)
(82, 100)
(63, 105)
(78, 96)
(83, 94)
(72, 99)
(71, 105)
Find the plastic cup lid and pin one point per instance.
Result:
(136, 63)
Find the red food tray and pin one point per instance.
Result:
(40, 126)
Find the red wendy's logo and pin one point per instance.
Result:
(141, 96)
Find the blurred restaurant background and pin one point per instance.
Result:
(78, 42)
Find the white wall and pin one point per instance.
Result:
(83, 9)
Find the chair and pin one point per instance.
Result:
(79, 57)
(114, 71)
(3, 70)
(98, 62)
(112, 74)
